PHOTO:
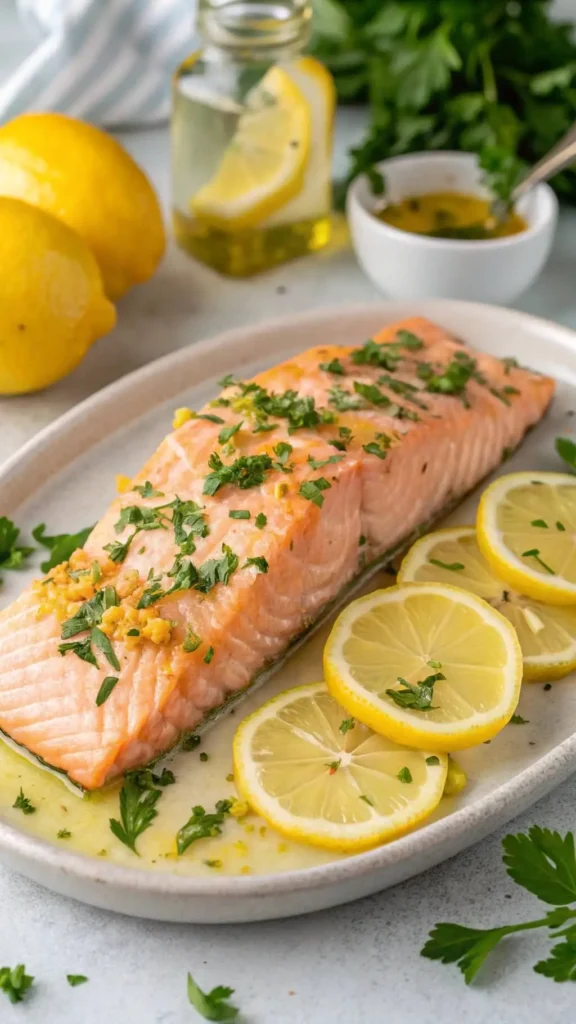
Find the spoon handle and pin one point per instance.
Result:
(559, 157)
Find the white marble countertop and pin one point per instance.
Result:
(355, 964)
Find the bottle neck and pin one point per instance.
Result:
(256, 30)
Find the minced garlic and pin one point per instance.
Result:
(181, 416)
(123, 483)
(118, 621)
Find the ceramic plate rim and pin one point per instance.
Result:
(543, 774)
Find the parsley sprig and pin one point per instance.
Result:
(417, 697)
(202, 825)
(544, 863)
(12, 554)
(60, 545)
(15, 983)
(212, 1005)
(138, 798)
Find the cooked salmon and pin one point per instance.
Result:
(251, 517)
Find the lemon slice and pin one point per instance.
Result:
(320, 777)
(395, 639)
(526, 527)
(263, 167)
(547, 634)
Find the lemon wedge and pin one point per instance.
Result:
(320, 777)
(264, 165)
(426, 664)
(526, 526)
(547, 634)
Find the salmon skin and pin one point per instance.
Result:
(248, 521)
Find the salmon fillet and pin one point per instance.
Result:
(245, 524)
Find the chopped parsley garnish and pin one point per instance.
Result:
(212, 1005)
(453, 378)
(432, 759)
(212, 863)
(228, 381)
(366, 799)
(246, 471)
(258, 562)
(191, 742)
(61, 545)
(371, 393)
(312, 490)
(437, 665)
(343, 400)
(535, 553)
(518, 720)
(403, 389)
(544, 863)
(100, 640)
(333, 766)
(203, 756)
(76, 979)
(319, 463)
(283, 451)
(346, 725)
(138, 799)
(418, 697)
(22, 803)
(105, 690)
(405, 775)
(540, 522)
(386, 356)
(227, 432)
(379, 446)
(12, 555)
(191, 641)
(81, 648)
(14, 982)
(146, 490)
(450, 566)
(90, 613)
(209, 655)
(64, 833)
(560, 526)
(300, 412)
(334, 366)
(202, 825)
(564, 446)
(509, 363)
(239, 513)
(409, 340)
(260, 521)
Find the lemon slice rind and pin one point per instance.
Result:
(418, 728)
(446, 545)
(411, 803)
(533, 581)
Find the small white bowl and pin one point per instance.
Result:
(408, 266)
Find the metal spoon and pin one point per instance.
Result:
(560, 156)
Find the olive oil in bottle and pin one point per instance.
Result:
(252, 139)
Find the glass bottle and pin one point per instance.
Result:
(252, 138)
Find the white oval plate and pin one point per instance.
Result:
(65, 475)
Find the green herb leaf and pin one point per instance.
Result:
(192, 641)
(209, 655)
(246, 471)
(76, 979)
(535, 553)
(15, 983)
(418, 697)
(540, 522)
(544, 863)
(137, 812)
(260, 521)
(450, 566)
(371, 393)
(202, 825)
(12, 556)
(239, 513)
(319, 463)
(100, 640)
(146, 490)
(334, 366)
(212, 1005)
(566, 450)
(64, 833)
(312, 490)
(258, 562)
(518, 720)
(432, 760)
(61, 545)
(346, 725)
(561, 964)
(22, 803)
(405, 775)
(466, 947)
(81, 648)
(343, 400)
(227, 432)
(105, 690)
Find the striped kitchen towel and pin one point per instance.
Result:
(106, 61)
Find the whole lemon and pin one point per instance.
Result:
(52, 300)
(85, 178)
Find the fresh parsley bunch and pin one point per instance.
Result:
(543, 862)
(476, 75)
